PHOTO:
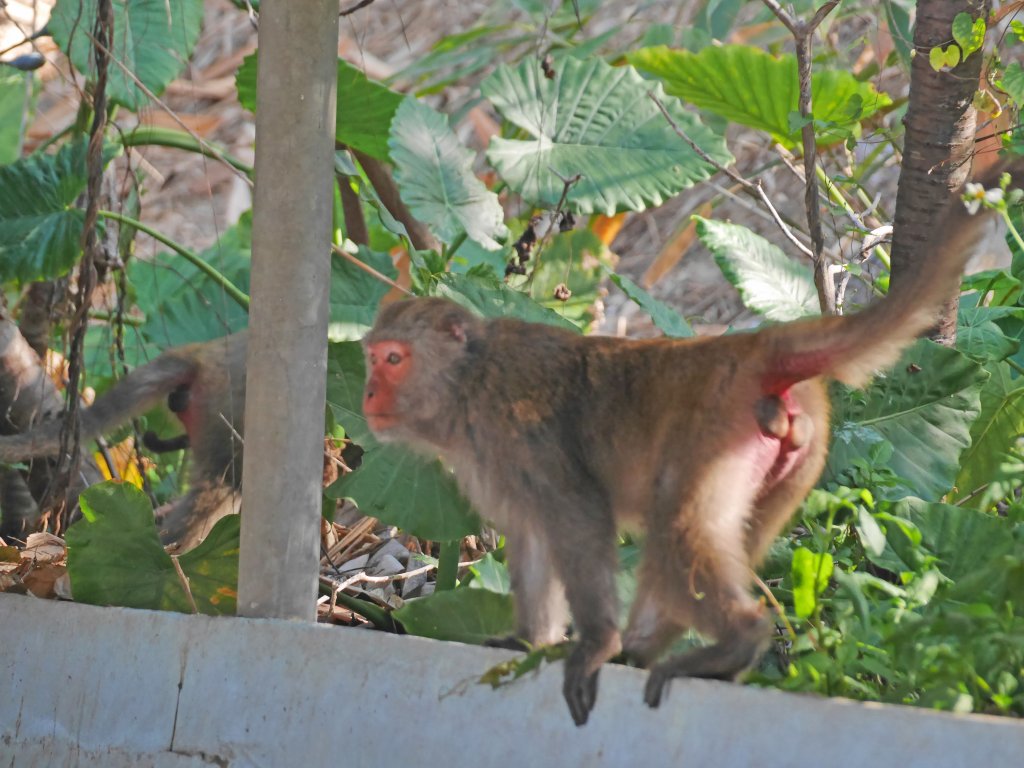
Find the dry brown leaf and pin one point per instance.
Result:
(42, 579)
(674, 249)
(44, 548)
(203, 125)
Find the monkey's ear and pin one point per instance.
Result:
(455, 325)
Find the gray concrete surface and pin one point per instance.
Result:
(111, 687)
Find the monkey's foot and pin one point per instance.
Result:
(722, 661)
(581, 670)
(580, 691)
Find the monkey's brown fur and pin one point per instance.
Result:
(206, 383)
(710, 444)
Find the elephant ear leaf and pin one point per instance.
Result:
(599, 123)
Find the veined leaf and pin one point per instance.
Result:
(40, 226)
(663, 315)
(597, 121)
(365, 108)
(752, 87)
(12, 104)
(115, 557)
(435, 176)
(994, 432)
(924, 406)
(355, 294)
(152, 40)
(770, 283)
(463, 615)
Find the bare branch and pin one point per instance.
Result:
(754, 189)
(803, 33)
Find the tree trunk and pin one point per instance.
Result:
(940, 125)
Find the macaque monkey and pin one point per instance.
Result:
(205, 387)
(710, 444)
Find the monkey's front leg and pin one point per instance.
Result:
(584, 551)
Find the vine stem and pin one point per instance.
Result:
(232, 290)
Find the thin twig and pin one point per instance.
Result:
(338, 251)
(210, 150)
(185, 585)
(802, 33)
(754, 189)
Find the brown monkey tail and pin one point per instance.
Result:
(142, 389)
(853, 348)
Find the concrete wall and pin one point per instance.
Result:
(113, 687)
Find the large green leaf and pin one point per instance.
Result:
(752, 87)
(40, 226)
(435, 177)
(355, 294)
(924, 406)
(152, 40)
(595, 120)
(12, 106)
(980, 337)
(182, 304)
(1013, 81)
(960, 538)
(769, 282)
(994, 433)
(365, 107)
(115, 557)
(392, 483)
(463, 615)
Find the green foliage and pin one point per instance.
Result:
(435, 176)
(40, 225)
(969, 36)
(365, 108)
(12, 100)
(663, 316)
(152, 40)
(598, 121)
(355, 294)
(574, 259)
(464, 615)
(490, 297)
(923, 605)
(993, 435)
(1013, 81)
(752, 87)
(181, 303)
(770, 283)
(923, 408)
(115, 557)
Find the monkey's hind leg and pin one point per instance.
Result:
(696, 574)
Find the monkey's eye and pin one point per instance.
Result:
(394, 358)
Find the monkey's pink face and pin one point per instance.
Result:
(388, 365)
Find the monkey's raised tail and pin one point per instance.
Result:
(139, 391)
(851, 349)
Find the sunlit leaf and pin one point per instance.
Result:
(598, 122)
